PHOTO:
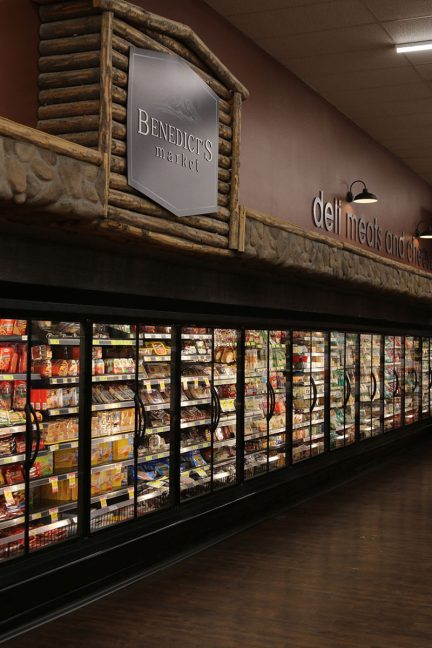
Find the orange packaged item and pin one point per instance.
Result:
(122, 449)
(65, 459)
(13, 474)
(20, 327)
(5, 358)
(60, 368)
(72, 367)
(41, 352)
(6, 326)
(5, 395)
(22, 363)
(14, 361)
(127, 419)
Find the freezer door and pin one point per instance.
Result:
(425, 377)
(343, 388)
(55, 352)
(392, 381)
(412, 379)
(309, 351)
(277, 382)
(370, 385)
(208, 410)
(257, 402)
(15, 436)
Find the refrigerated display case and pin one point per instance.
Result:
(371, 401)
(208, 422)
(426, 377)
(393, 361)
(309, 351)
(343, 388)
(265, 423)
(412, 379)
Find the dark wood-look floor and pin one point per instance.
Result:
(351, 568)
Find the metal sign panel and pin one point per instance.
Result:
(172, 133)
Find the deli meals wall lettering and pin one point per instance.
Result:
(172, 134)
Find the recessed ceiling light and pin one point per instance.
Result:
(414, 47)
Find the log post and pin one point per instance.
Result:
(235, 168)
(105, 112)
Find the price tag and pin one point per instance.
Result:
(36, 516)
(131, 493)
(103, 502)
(54, 514)
(54, 484)
(7, 377)
(54, 341)
(195, 383)
(201, 472)
(54, 412)
(206, 381)
(156, 484)
(54, 447)
(72, 479)
(149, 388)
(9, 497)
(184, 383)
(162, 385)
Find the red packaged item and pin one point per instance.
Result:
(42, 352)
(5, 358)
(13, 474)
(60, 367)
(22, 363)
(14, 362)
(20, 327)
(43, 367)
(75, 352)
(5, 395)
(20, 394)
(72, 367)
(6, 326)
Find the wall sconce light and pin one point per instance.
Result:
(425, 232)
(364, 197)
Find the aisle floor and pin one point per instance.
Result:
(349, 568)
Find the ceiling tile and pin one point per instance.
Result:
(396, 9)
(409, 31)
(362, 79)
(371, 59)
(302, 20)
(338, 41)
(417, 90)
(235, 7)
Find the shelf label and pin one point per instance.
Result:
(156, 484)
(54, 341)
(206, 381)
(72, 479)
(54, 412)
(9, 497)
(184, 383)
(36, 516)
(201, 472)
(162, 385)
(54, 514)
(131, 492)
(54, 484)
(195, 383)
(103, 502)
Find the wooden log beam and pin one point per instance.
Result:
(48, 80)
(48, 142)
(69, 45)
(224, 161)
(74, 61)
(157, 224)
(223, 200)
(119, 113)
(135, 15)
(89, 138)
(106, 109)
(223, 187)
(119, 78)
(225, 118)
(68, 95)
(224, 146)
(119, 95)
(65, 10)
(119, 183)
(58, 110)
(179, 48)
(65, 28)
(118, 147)
(118, 164)
(224, 175)
(70, 124)
(235, 172)
(225, 132)
(143, 206)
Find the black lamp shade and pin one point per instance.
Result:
(365, 197)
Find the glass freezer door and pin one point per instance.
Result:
(412, 379)
(426, 377)
(277, 382)
(208, 424)
(370, 385)
(257, 403)
(309, 349)
(343, 388)
(392, 382)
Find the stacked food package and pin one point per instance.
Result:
(392, 382)
(257, 403)
(342, 388)
(412, 378)
(370, 385)
(426, 377)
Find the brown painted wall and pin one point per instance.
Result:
(19, 39)
(293, 142)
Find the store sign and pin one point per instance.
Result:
(172, 134)
(327, 215)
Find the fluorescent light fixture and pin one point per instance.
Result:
(414, 47)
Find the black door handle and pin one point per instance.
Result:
(415, 380)
(272, 395)
(397, 383)
(430, 378)
(138, 411)
(315, 394)
(143, 426)
(348, 390)
(31, 413)
(375, 386)
(217, 409)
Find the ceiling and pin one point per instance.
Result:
(344, 49)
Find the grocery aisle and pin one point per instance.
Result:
(350, 568)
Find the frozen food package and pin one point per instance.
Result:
(5, 395)
(59, 368)
(6, 353)
(20, 327)
(42, 367)
(6, 326)
(70, 396)
(72, 367)
(41, 352)
(19, 394)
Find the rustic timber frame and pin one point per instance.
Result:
(83, 81)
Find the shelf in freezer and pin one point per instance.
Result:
(154, 381)
(18, 376)
(226, 380)
(188, 424)
(113, 377)
(112, 406)
(153, 358)
(158, 430)
(119, 492)
(63, 341)
(196, 358)
(151, 457)
(155, 336)
(124, 462)
(14, 429)
(198, 401)
(196, 336)
(12, 488)
(157, 406)
(64, 380)
(53, 510)
(113, 437)
(53, 478)
(195, 446)
(64, 445)
(13, 338)
(119, 342)
(60, 411)
(11, 522)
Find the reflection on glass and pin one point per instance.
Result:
(392, 382)
(343, 352)
(412, 379)
(308, 371)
